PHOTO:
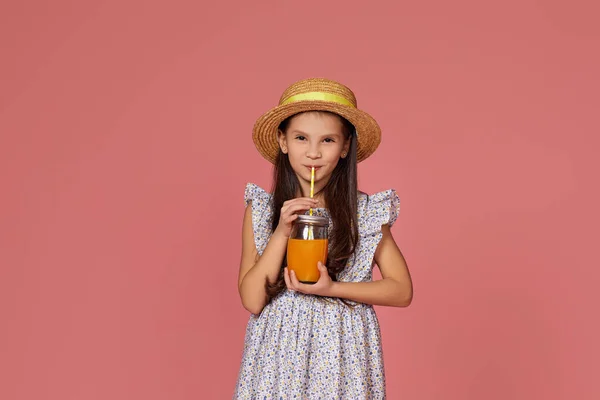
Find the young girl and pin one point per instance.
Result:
(322, 340)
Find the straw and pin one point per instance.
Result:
(311, 233)
(312, 186)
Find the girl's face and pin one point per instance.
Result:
(314, 139)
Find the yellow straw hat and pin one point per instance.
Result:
(316, 94)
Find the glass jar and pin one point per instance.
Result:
(308, 244)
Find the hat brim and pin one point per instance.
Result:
(264, 134)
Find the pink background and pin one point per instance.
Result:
(125, 147)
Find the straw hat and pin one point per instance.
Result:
(316, 94)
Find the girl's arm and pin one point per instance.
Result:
(395, 289)
(256, 270)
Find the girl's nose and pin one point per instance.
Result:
(313, 151)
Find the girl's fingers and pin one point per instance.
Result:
(294, 208)
(302, 201)
(304, 205)
(294, 281)
(299, 199)
(286, 277)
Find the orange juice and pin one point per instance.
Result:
(303, 256)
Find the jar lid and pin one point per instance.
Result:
(312, 220)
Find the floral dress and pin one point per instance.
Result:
(310, 347)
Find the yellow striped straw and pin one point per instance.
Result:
(311, 233)
(312, 186)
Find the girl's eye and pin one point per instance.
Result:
(329, 140)
(300, 137)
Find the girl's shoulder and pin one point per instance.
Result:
(379, 197)
(261, 199)
(381, 208)
(254, 192)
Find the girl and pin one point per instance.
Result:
(319, 341)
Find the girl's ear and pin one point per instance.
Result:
(282, 139)
(346, 148)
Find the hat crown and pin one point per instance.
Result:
(319, 85)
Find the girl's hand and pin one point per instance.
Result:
(321, 288)
(290, 211)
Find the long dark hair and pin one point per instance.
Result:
(341, 197)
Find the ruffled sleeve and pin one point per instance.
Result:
(381, 209)
(254, 194)
(261, 214)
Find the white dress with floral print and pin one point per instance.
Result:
(310, 347)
